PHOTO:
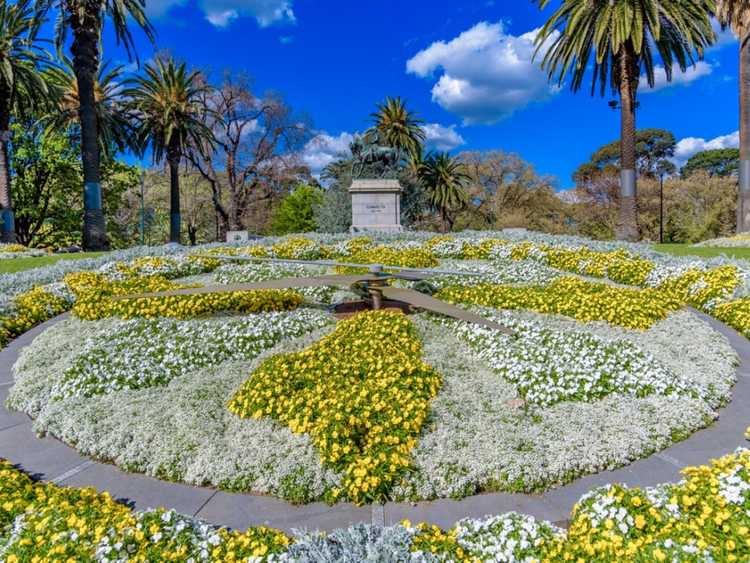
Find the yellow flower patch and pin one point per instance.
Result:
(32, 308)
(404, 257)
(362, 393)
(94, 299)
(572, 297)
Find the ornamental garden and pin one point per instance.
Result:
(268, 392)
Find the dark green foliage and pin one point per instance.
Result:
(716, 162)
(653, 147)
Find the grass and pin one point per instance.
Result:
(705, 251)
(10, 265)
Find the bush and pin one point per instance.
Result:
(295, 214)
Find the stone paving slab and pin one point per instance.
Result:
(8, 418)
(44, 458)
(140, 491)
(242, 511)
(47, 458)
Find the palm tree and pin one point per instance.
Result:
(168, 102)
(399, 128)
(22, 88)
(445, 180)
(85, 20)
(623, 37)
(736, 14)
(113, 121)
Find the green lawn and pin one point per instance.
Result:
(706, 252)
(10, 265)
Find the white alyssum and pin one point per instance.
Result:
(147, 353)
(478, 439)
(549, 366)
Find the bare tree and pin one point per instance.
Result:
(258, 140)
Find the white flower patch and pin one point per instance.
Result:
(510, 537)
(499, 271)
(734, 486)
(196, 538)
(146, 353)
(257, 272)
(550, 366)
(452, 248)
(478, 439)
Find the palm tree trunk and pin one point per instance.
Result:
(627, 223)
(743, 197)
(173, 159)
(7, 218)
(85, 50)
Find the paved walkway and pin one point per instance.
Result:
(50, 459)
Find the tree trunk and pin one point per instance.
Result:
(7, 218)
(173, 159)
(85, 50)
(743, 198)
(627, 223)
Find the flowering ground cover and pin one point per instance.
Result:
(702, 518)
(262, 391)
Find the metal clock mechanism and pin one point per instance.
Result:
(374, 286)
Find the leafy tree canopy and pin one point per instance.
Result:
(295, 214)
(653, 147)
(717, 162)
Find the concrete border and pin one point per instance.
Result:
(49, 459)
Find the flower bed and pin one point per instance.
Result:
(362, 393)
(549, 366)
(702, 518)
(584, 301)
(148, 353)
(13, 250)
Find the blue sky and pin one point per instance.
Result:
(464, 67)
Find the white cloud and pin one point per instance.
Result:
(223, 12)
(679, 78)
(690, 146)
(323, 149)
(442, 138)
(222, 19)
(487, 74)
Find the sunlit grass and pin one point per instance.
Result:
(10, 265)
(702, 251)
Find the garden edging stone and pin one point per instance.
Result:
(49, 459)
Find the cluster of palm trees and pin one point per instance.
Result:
(162, 110)
(443, 177)
(621, 40)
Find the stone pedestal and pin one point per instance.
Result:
(376, 206)
(238, 236)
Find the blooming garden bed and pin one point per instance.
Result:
(264, 391)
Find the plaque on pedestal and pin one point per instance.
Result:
(376, 206)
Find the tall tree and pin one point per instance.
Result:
(445, 180)
(736, 14)
(716, 162)
(258, 140)
(653, 148)
(397, 127)
(85, 20)
(21, 87)
(623, 37)
(167, 102)
(113, 119)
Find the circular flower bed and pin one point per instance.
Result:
(265, 391)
